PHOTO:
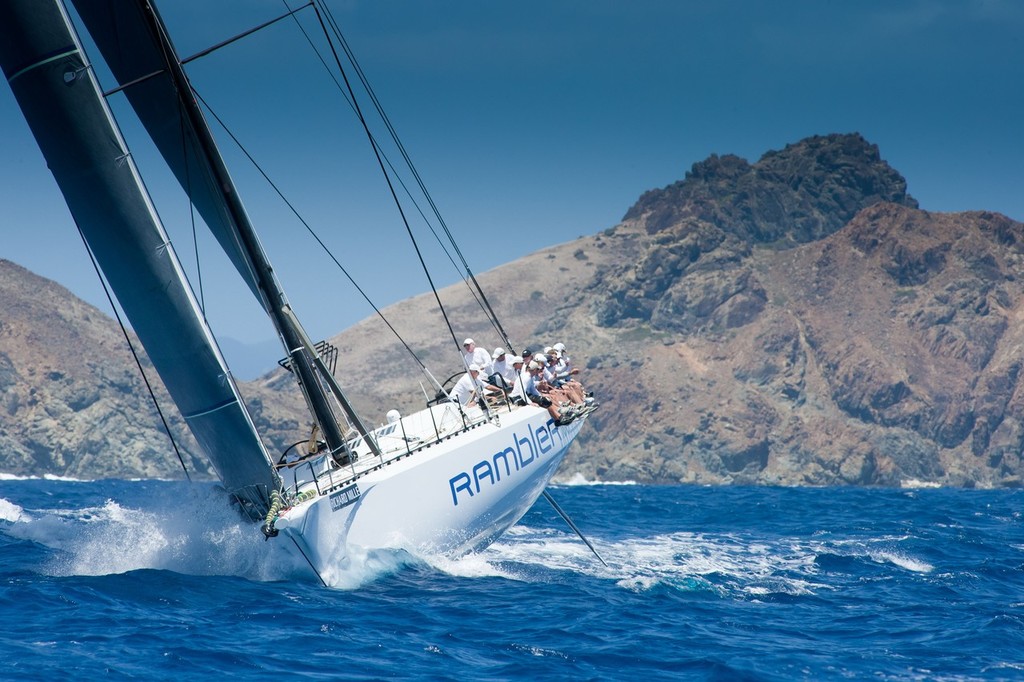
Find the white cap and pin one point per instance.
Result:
(541, 358)
(516, 360)
(535, 365)
(498, 352)
(560, 347)
(468, 342)
(547, 349)
(474, 367)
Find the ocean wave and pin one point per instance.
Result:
(197, 533)
(194, 530)
(11, 512)
(687, 562)
(903, 561)
(678, 561)
(189, 530)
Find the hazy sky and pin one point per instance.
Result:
(536, 122)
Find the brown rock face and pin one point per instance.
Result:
(71, 400)
(795, 321)
(73, 403)
(885, 353)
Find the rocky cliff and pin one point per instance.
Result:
(797, 321)
(72, 399)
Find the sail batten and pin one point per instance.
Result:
(134, 41)
(83, 147)
(60, 54)
(134, 56)
(231, 402)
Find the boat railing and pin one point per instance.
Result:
(395, 441)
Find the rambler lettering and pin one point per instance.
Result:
(538, 441)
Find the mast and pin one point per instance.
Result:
(54, 85)
(303, 357)
(273, 297)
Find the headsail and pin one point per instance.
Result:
(160, 93)
(55, 87)
(133, 54)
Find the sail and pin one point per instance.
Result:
(47, 70)
(139, 51)
(133, 54)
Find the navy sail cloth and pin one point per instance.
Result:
(133, 54)
(48, 73)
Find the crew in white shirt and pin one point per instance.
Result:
(467, 388)
(476, 356)
(502, 367)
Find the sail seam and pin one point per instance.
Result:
(66, 53)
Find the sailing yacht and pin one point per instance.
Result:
(447, 479)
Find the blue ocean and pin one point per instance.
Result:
(160, 580)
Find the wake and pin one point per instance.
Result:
(724, 565)
(194, 531)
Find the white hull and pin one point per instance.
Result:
(454, 496)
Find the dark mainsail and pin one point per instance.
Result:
(43, 61)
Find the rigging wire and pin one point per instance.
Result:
(408, 160)
(394, 171)
(244, 34)
(472, 285)
(131, 346)
(391, 186)
(475, 289)
(305, 224)
(373, 138)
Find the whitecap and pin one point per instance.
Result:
(197, 533)
(677, 561)
(905, 562)
(11, 512)
(354, 567)
(578, 479)
(915, 484)
(66, 479)
(15, 477)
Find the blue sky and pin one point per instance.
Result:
(534, 123)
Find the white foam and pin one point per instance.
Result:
(11, 512)
(902, 561)
(194, 533)
(915, 484)
(579, 479)
(69, 479)
(193, 530)
(678, 561)
(355, 566)
(476, 565)
(13, 477)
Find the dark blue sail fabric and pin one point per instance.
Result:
(48, 73)
(129, 48)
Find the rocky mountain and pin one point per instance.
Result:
(72, 399)
(797, 321)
